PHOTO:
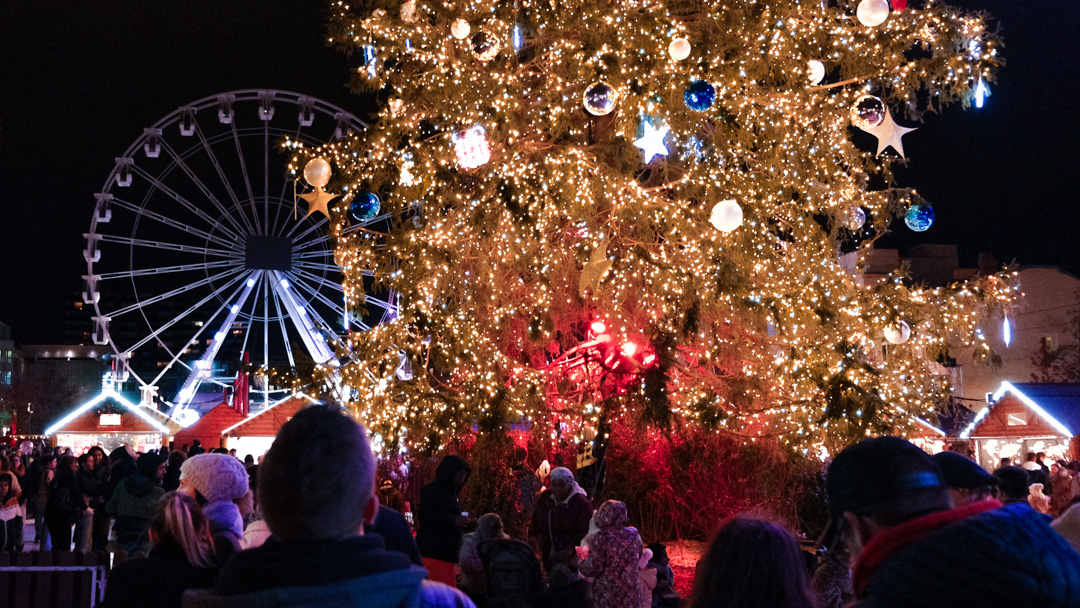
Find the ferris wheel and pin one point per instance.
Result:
(197, 259)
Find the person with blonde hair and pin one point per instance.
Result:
(181, 558)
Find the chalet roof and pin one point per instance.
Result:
(267, 422)
(134, 418)
(1056, 404)
(208, 428)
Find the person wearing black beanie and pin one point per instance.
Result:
(135, 501)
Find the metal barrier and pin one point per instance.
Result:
(52, 579)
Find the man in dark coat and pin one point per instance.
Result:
(889, 504)
(441, 522)
(317, 491)
(391, 525)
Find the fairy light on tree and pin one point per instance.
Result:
(508, 240)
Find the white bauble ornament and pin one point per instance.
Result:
(408, 11)
(317, 172)
(679, 49)
(817, 71)
(726, 216)
(872, 13)
(460, 29)
(898, 333)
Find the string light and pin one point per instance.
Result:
(758, 331)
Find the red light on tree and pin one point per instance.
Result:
(599, 327)
(629, 349)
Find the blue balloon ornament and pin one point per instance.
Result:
(699, 96)
(919, 217)
(365, 207)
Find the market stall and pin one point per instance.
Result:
(208, 429)
(111, 420)
(256, 433)
(1026, 417)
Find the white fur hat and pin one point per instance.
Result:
(216, 476)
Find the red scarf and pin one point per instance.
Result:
(885, 545)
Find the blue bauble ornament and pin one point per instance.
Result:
(919, 217)
(699, 96)
(365, 207)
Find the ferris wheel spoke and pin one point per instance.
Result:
(321, 297)
(301, 273)
(202, 188)
(306, 320)
(318, 266)
(247, 178)
(157, 183)
(320, 223)
(251, 316)
(172, 293)
(279, 312)
(203, 365)
(202, 328)
(224, 180)
(144, 272)
(230, 243)
(204, 251)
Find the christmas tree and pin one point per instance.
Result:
(589, 210)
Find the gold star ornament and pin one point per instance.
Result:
(595, 269)
(317, 201)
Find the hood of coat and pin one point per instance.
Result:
(448, 468)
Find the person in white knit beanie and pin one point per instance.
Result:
(218, 482)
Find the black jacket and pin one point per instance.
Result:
(66, 503)
(438, 535)
(158, 580)
(350, 572)
(394, 530)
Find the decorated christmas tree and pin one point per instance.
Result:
(588, 211)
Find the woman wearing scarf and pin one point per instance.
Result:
(561, 519)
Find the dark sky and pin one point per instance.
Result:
(80, 80)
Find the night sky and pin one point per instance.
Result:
(79, 81)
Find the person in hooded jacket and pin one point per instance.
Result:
(612, 560)
(65, 505)
(121, 466)
(561, 519)
(317, 493)
(134, 503)
(441, 521)
(218, 482)
(181, 558)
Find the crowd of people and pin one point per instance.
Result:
(305, 527)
